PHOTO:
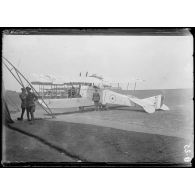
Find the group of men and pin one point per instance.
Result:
(27, 103)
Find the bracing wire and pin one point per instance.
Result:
(21, 83)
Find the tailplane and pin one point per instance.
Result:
(164, 107)
(157, 102)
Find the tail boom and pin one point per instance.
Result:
(150, 105)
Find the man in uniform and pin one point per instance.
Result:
(96, 99)
(73, 92)
(30, 103)
(23, 96)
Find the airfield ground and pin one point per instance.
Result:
(120, 134)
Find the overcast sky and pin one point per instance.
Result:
(162, 61)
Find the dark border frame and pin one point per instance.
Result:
(113, 31)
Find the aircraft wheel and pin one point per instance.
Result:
(104, 107)
(81, 108)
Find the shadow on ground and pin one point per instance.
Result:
(91, 109)
(70, 142)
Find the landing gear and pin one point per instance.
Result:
(81, 108)
(104, 107)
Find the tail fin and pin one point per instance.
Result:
(157, 102)
(162, 105)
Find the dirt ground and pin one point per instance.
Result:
(124, 135)
(22, 148)
(59, 141)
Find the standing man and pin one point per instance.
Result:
(96, 99)
(23, 96)
(30, 103)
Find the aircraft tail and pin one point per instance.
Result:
(157, 102)
(150, 105)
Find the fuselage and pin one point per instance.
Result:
(83, 99)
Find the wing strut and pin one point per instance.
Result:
(19, 80)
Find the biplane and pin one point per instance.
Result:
(78, 92)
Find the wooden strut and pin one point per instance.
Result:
(16, 70)
(21, 82)
(19, 78)
(134, 87)
(50, 113)
(19, 73)
(12, 73)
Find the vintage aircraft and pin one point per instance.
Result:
(78, 92)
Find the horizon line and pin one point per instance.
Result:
(132, 89)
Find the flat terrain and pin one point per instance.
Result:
(88, 143)
(22, 148)
(120, 134)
